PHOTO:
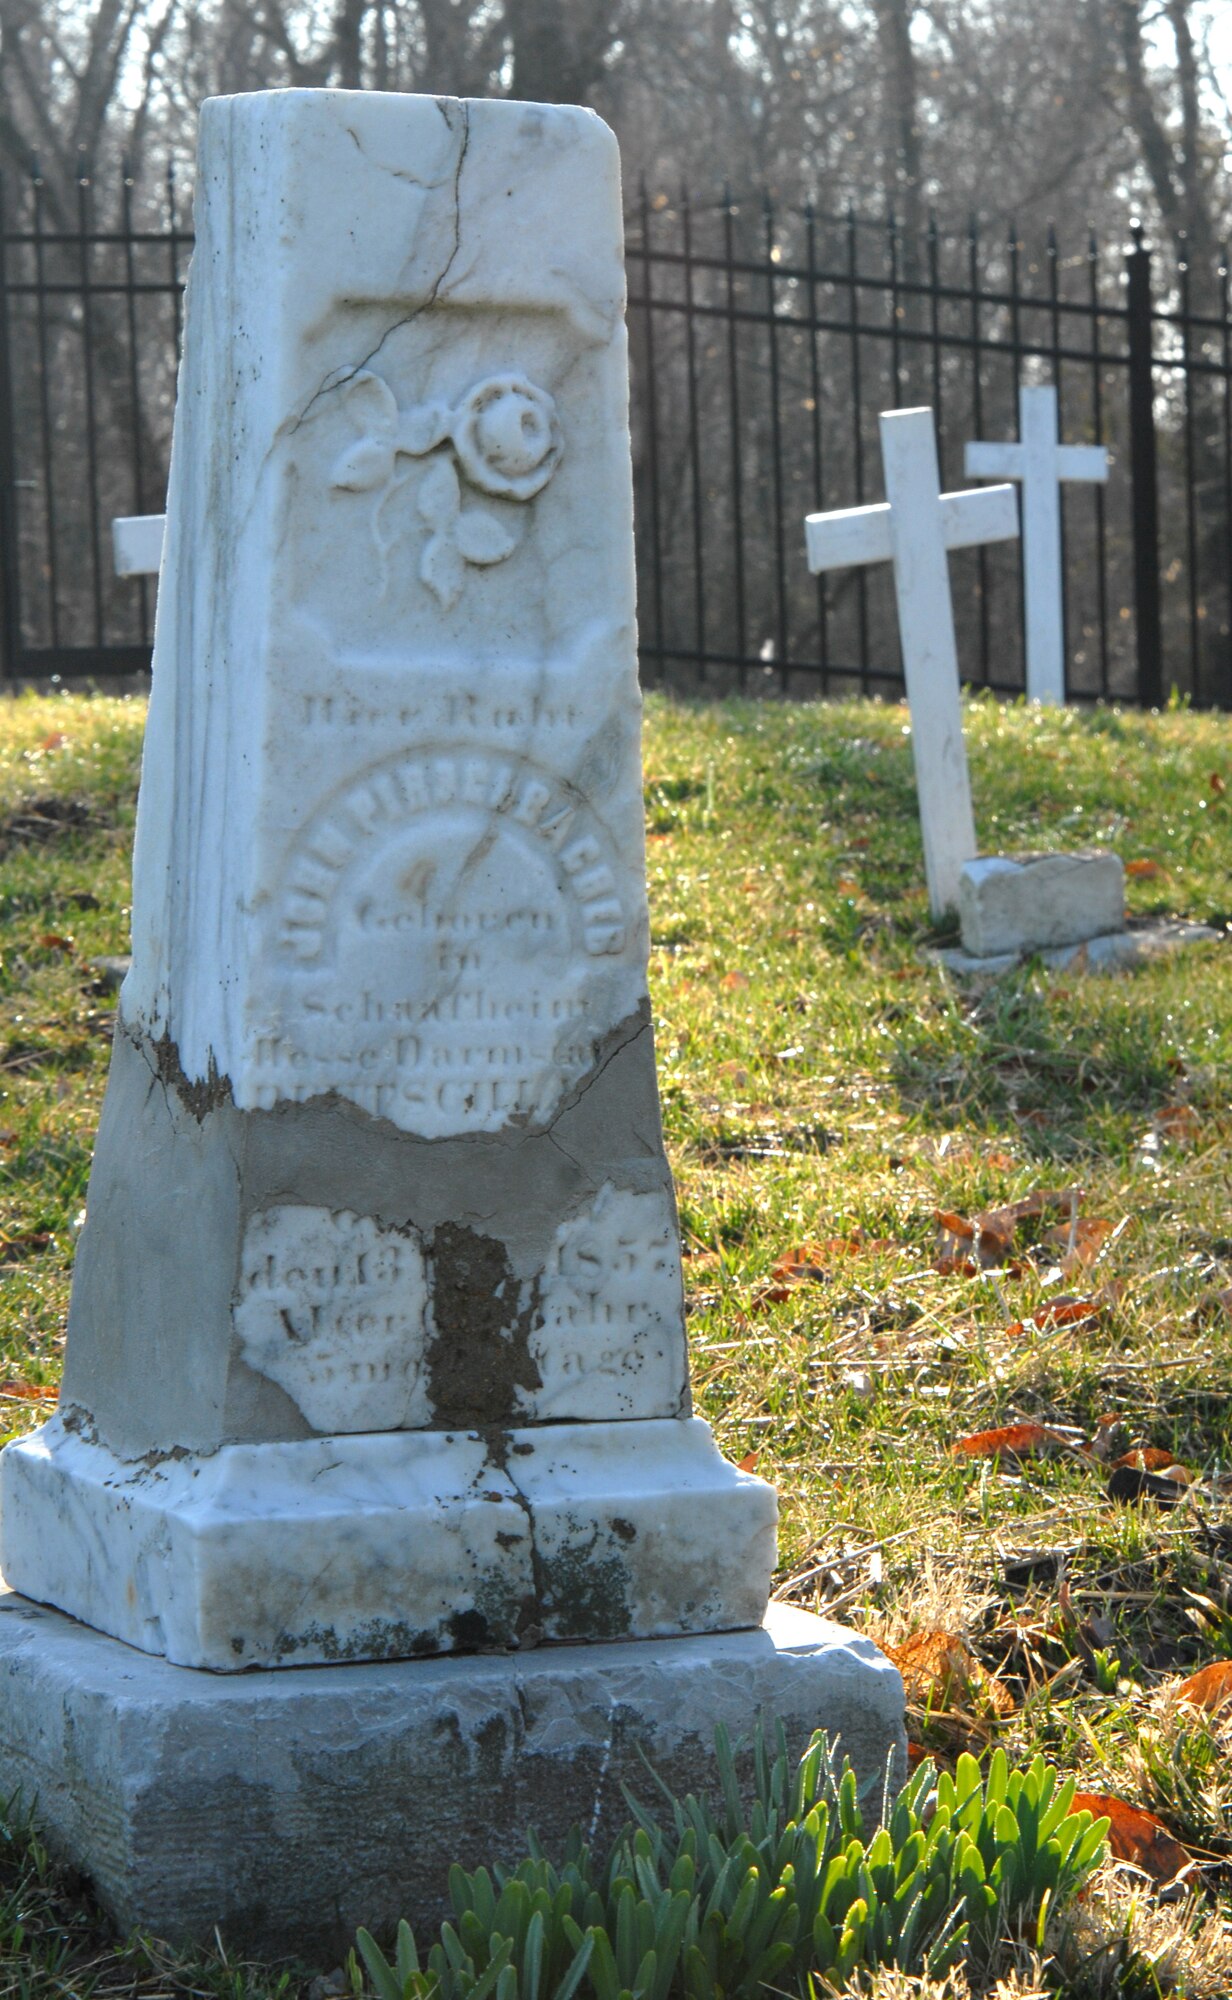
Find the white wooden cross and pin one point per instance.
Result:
(913, 529)
(137, 543)
(1041, 463)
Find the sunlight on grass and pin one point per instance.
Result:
(827, 1091)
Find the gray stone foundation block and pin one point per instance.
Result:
(1035, 902)
(1142, 939)
(289, 1807)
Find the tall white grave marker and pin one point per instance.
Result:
(376, 1352)
(377, 1345)
(913, 529)
(1041, 462)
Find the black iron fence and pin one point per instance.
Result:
(764, 344)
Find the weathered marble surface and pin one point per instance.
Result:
(1142, 939)
(380, 1184)
(403, 1544)
(391, 838)
(288, 1808)
(1027, 902)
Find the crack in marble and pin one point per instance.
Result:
(338, 376)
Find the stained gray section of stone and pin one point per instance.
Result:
(1119, 951)
(287, 1808)
(1033, 902)
(152, 1357)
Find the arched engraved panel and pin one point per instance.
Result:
(441, 931)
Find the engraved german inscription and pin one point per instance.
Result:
(331, 1306)
(440, 935)
(608, 1336)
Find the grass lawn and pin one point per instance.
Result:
(912, 1212)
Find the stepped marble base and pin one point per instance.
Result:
(393, 1544)
(288, 1808)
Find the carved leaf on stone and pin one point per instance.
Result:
(482, 538)
(371, 404)
(442, 569)
(367, 464)
(423, 428)
(372, 408)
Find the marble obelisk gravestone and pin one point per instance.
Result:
(376, 1352)
(376, 1344)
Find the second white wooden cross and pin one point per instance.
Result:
(913, 529)
(1041, 462)
(137, 543)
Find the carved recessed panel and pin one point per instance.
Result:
(442, 929)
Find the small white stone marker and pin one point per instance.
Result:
(914, 528)
(137, 543)
(1037, 902)
(1041, 463)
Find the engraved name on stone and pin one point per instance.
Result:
(448, 715)
(438, 891)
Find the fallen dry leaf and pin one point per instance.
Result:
(1179, 1123)
(771, 1295)
(52, 941)
(27, 1392)
(1218, 784)
(14, 1248)
(1064, 1312)
(1135, 1835)
(1209, 1688)
(807, 1263)
(803, 1262)
(955, 1242)
(1145, 871)
(1011, 1441)
(749, 1462)
(1152, 1458)
(731, 980)
(985, 1242)
(939, 1666)
(1078, 1243)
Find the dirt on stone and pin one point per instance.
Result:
(480, 1355)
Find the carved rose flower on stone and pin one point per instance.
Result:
(506, 438)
